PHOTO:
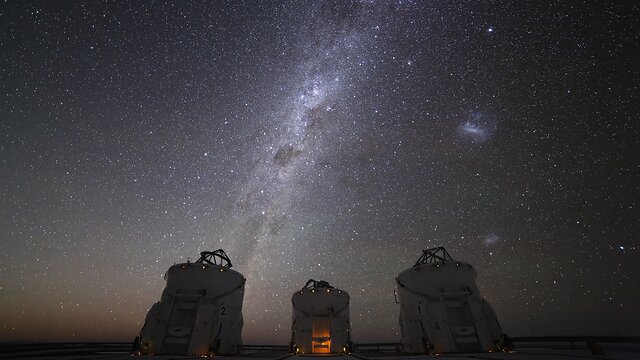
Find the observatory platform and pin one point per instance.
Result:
(442, 316)
(548, 348)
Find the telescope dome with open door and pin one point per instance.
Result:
(320, 319)
(200, 311)
(441, 310)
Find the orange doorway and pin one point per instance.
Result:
(321, 335)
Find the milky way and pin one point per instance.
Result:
(332, 140)
(297, 145)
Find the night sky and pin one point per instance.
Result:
(325, 140)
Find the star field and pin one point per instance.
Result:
(332, 140)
